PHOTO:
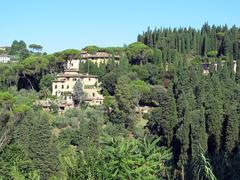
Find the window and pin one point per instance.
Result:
(62, 86)
(89, 79)
(74, 79)
(93, 94)
(68, 78)
(55, 86)
(88, 86)
(67, 86)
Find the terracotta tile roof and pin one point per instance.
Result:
(98, 55)
(77, 75)
(71, 70)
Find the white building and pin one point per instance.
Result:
(73, 64)
(206, 66)
(4, 48)
(5, 58)
(64, 84)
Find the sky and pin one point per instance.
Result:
(64, 24)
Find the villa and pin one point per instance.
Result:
(63, 85)
(98, 57)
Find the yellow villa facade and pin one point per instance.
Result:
(98, 57)
(63, 85)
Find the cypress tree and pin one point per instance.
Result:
(198, 133)
(204, 45)
(123, 63)
(226, 46)
(232, 128)
(195, 43)
(238, 72)
(183, 134)
(163, 120)
(36, 137)
(214, 121)
(78, 93)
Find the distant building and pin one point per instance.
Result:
(5, 48)
(141, 110)
(206, 66)
(63, 85)
(98, 57)
(5, 58)
(60, 105)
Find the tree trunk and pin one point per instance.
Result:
(182, 172)
(28, 80)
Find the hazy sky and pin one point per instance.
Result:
(62, 24)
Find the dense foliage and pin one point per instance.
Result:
(191, 129)
(209, 41)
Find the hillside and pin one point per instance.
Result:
(170, 110)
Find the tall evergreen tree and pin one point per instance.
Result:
(78, 93)
(163, 120)
(36, 138)
(183, 136)
(198, 132)
(232, 128)
(214, 121)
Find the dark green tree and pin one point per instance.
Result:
(198, 133)
(78, 93)
(139, 53)
(36, 138)
(232, 128)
